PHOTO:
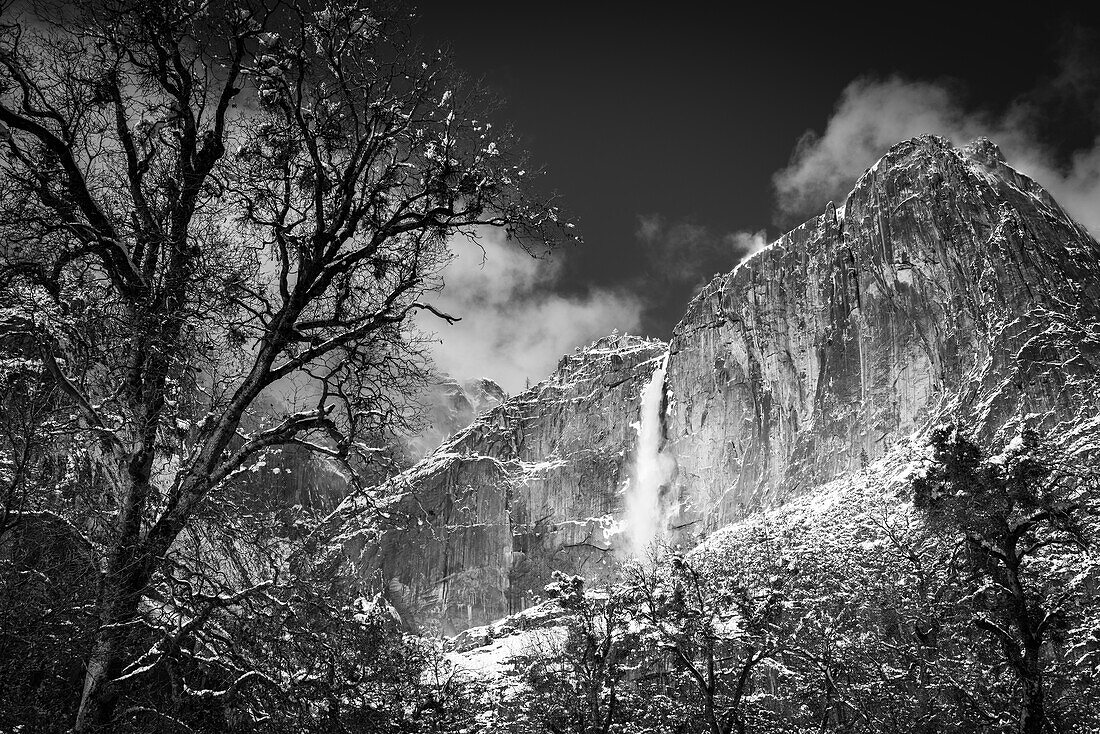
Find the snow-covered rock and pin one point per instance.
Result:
(449, 406)
(952, 287)
(532, 486)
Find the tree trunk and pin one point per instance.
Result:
(119, 597)
(97, 702)
(1032, 714)
(1028, 665)
(711, 713)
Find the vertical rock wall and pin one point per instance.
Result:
(532, 486)
(947, 286)
(934, 291)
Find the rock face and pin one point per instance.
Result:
(533, 485)
(449, 406)
(947, 286)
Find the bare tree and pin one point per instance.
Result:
(202, 203)
(28, 426)
(577, 683)
(718, 625)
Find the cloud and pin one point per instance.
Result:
(514, 327)
(873, 114)
(748, 243)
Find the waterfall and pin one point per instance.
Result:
(644, 521)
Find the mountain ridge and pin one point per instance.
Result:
(946, 285)
(818, 330)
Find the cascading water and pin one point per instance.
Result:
(643, 516)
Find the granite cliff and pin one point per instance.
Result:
(533, 485)
(449, 406)
(946, 286)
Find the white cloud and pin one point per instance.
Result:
(873, 114)
(748, 243)
(514, 327)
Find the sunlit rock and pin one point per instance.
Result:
(946, 286)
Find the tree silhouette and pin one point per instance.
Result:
(1009, 510)
(202, 203)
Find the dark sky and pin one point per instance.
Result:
(685, 111)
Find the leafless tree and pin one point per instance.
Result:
(204, 203)
(718, 626)
(576, 680)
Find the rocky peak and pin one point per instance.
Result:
(985, 151)
(947, 285)
(930, 292)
